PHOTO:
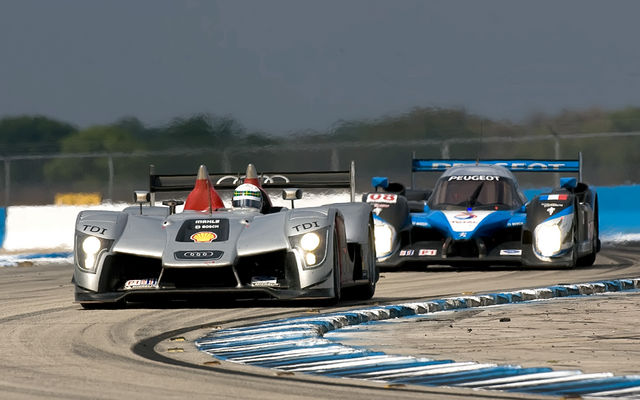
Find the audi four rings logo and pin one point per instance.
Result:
(266, 179)
(200, 255)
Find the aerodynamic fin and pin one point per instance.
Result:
(203, 197)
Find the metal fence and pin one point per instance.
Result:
(35, 179)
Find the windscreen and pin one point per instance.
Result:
(475, 191)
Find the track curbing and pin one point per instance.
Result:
(297, 344)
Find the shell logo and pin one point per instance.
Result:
(203, 237)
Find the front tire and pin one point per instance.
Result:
(337, 275)
(365, 292)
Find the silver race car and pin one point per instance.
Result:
(207, 249)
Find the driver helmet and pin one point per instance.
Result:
(247, 196)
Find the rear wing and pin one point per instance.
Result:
(515, 165)
(269, 180)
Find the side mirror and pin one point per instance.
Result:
(291, 194)
(141, 196)
(380, 182)
(568, 183)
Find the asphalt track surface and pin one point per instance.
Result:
(52, 348)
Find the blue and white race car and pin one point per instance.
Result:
(477, 214)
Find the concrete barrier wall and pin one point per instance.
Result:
(51, 228)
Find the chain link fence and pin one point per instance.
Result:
(36, 179)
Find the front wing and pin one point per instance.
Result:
(452, 252)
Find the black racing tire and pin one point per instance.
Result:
(366, 291)
(588, 260)
(574, 250)
(337, 285)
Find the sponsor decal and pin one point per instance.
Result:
(552, 205)
(94, 229)
(421, 223)
(305, 226)
(203, 237)
(264, 281)
(514, 165)
(465, 215)
(140, 284)
(510, 252)
(207, 224)
(406, 253)
(427, 252)
(474, 178)
(204, 230)
(465, 221)
(389, 198)
(554, 197)
(517, 223)
(550, 210)
(198, 255)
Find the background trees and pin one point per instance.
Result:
(41, 153)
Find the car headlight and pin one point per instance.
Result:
(88, 250)
(310, 241)
(384, 235)
(312, 246)
(548, 239)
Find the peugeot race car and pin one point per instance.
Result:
(477, 214)
(208, 249)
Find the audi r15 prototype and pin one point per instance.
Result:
(249, 250)
(477, 214)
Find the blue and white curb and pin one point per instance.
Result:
(297, 345)
(16, 260)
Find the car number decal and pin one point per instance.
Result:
(389, 198)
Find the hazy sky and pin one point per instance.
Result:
(283, 65)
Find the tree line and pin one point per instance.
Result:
(40, 135)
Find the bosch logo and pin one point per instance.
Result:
(198, 255)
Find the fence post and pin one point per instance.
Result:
(7, 181)
(110, 189)
(556, 151)
(335, 161)
(444, 150)
(226, 162)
